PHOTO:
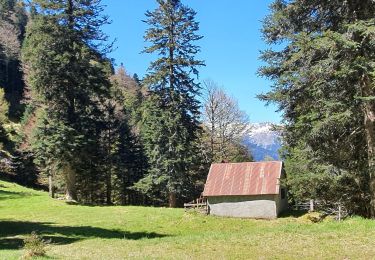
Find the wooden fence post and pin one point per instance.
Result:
(311, 205)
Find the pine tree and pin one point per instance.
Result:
(64, 55)
(324, 76)
(170, 119)
(128, 160)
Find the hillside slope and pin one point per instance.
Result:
(88, 232)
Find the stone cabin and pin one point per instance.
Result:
(246, 190)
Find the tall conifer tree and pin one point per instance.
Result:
(324, 83)
(64, 54)
(170, 120)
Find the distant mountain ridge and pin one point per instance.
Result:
(263, 141)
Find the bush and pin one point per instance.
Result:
(311, 217)
(34, 245)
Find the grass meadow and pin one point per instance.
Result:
(123, 232)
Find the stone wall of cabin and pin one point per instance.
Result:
(256, 206)
(281, 203)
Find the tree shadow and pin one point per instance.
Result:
(293, 213)
(59, 235)
(10, 243)
(14, 243)
(6, 195)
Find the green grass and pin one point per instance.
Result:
(84, 232)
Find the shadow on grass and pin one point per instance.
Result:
(6, 195)
(14, 243)
(61, 235)
(10, 243)
(293, 213)
(96, 205)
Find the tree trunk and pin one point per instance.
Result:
(369, 122)
(109, 170)
(109, 189)
(172, 199)
(213, 133)
(370, 138)
(50, 186)
(70, 179)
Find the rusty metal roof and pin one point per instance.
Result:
(249, 178)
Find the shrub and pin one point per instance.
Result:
(34, 245)
(311, 217)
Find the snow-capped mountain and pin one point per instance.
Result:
(263, 141)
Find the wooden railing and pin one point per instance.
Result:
(199, 205)
(333, 209)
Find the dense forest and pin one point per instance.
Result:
(74, 122)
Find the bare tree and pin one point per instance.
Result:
(224, 122)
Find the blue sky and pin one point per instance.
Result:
(230, 47)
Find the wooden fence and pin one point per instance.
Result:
(333, 209)
(199, 205)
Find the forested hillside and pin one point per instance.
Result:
(74, 123)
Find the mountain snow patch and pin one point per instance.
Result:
(263, 141)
